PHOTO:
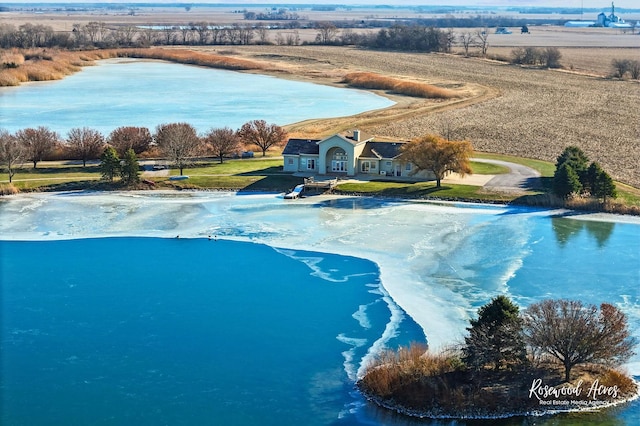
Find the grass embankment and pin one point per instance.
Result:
(369, 80)
(267, 175)
(416, 382)
(242, 174)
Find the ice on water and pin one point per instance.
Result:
(438, 262)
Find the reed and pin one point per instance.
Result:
(189, 57)
(37, 65)
(392, 370)
(369, 80)
(8, 189)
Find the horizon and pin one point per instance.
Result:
(599, 4)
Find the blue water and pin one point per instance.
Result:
(146, 93)
(155, 329)
(130, 331)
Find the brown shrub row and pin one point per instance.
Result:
(189, 57)
(33, 66)
(369, 80)
(391, 371)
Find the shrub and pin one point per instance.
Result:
(368, 80)
(8, 189)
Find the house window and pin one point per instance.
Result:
(311, 164)
(291, 161)
(366, 165)
(408, 167)
(340, 155)
(339, 161)
(388, 163)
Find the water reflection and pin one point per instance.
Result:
(566, 229)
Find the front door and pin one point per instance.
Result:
(398, 170)
(338, 166)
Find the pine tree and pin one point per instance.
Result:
(604, 186)
(566, 181)
(109, 164)
(495, 338)
(130, 169)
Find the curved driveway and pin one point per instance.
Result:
(519, 179)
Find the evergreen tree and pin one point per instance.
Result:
(109, 164)
(566, 181)
(130, 171)
(591, 180)
(495, 338)
(604, 186)
(577, 159)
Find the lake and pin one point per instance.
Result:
(264, 311)
(120, 92)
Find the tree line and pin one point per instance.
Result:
(575, 177)
(566, 331)
(179, 143)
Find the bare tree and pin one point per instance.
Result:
(620, 67)
(126, 137)
(450, 40)
(179, 142)
(185, 30)
(85, 143)
(203, 30)
(263, 34)
(263, 135)
(37, 143)
(438, 156)
(124, 36)
(482, 40)
(222, 141)
(148, 37)
(169, 34)
(634, 69)
(575, 334)
(551, 57)
(467, 40)
(326, 32)
(11, 152)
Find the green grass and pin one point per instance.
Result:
(488, 168)
(420, 190)
(545, 168)
(233, 167)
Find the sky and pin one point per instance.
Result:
(524, 3)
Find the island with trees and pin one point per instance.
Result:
(555, 356)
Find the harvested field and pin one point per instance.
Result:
(525, 112)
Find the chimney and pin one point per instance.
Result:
(356, 135)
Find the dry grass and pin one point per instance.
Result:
(36, 65)
(190, 57)
(8, 189)
(392, 370)
(369, 80)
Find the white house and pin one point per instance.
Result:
(345, 155)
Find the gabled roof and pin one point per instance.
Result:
(381, 150)
(301, 146)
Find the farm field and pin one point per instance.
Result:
(507, 109)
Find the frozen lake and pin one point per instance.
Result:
(118, 93)
(434, 265)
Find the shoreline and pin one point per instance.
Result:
(432, 329)
(534, 413)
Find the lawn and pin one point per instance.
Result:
(421, 190)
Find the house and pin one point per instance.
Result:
(345, 155)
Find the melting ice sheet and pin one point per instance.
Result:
(439, 262)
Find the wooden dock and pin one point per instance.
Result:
(321, 184)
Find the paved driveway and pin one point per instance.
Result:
(519, 179)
